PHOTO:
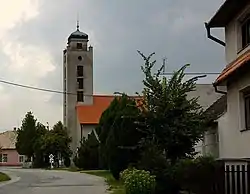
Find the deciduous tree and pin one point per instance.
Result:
(169, 119)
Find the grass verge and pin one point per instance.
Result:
(115, 186)
(71, 169)
(4, 177)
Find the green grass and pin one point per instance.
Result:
(4, 177)
(71, 169)
(115, 186)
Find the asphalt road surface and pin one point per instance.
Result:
(30, 181)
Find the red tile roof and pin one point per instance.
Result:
(90, 114)
(231, 68)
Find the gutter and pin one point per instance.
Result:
(212, 37)
(218, 91)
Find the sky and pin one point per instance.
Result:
(33, 34)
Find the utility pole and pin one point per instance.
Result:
(164, 64)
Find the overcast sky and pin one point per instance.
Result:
(33, 34)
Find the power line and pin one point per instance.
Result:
(70, 93)
(193, 73)
(37, 88)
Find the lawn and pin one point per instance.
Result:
(4, 177)
(115, 186)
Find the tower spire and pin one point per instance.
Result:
(77, 23)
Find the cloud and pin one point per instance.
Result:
(14, 12)
(33, 34)
(26, 64)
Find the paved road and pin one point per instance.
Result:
(29, 181)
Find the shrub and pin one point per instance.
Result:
(153, 160)
(138, 181)
(198, 175)
(67, 162)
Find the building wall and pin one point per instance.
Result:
(233, 142)
(13, 158)
(87, 129)
(236, 144)
(206, 93)
(83, 131)
(233, 37)
(223, 135)
(207, 96)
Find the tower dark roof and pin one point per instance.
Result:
(78, 35)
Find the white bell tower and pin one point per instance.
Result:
(77, 80)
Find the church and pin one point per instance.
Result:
(81, 108)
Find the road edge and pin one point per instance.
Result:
(13, 177)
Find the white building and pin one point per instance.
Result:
(233, 127)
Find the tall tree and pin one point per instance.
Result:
(87, 156)
(119, 134)
(169, 119)
(26, 136)
(39, 152)
(171, 122)
(103, 129)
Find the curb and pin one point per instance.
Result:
(14, 179)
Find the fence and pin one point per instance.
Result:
(233, 178)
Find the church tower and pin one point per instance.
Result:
(77, 80)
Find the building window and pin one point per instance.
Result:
(79, 45)
(79, 70)
(247, 110)
(80, 96)
(21, 159)
(245, 29)
(80, 58)
(4, 158)
(80, 83)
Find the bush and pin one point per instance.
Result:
(153, 160)
(198, 175)
(138, 181)
(67, 162)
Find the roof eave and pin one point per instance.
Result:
(217, 16)
(90, 123)
(226, 13)
(220, 83)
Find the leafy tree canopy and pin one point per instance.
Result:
(26, 135)
(57, 141)
(169, 119)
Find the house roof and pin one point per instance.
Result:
(227, 12)
(90, 114)
(218, 107)
(233, 67)
(8, 140)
